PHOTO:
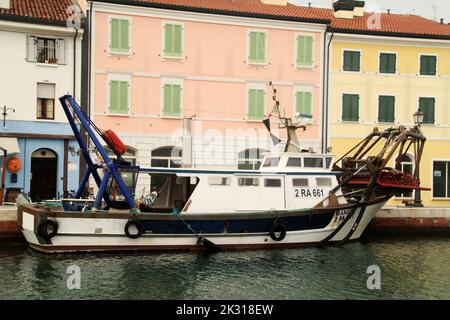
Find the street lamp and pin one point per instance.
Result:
(5, 113)
(418, 117)
(418, 120)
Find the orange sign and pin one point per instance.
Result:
(14, 165)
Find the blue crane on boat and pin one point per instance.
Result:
(111, 168)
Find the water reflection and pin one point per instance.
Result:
(410, 268)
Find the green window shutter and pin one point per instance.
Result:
(115, 34)
(428, 65)
(427, 106)
(352, 61)
(172, 100)
(350, 107)
(173, 40)
(304, 104)
(388, 62)
(123, 97)
(304, 51)
(257, 47)
(118, 97)
(113, 96)
(120, 35)
(256, 100)
(386, 109)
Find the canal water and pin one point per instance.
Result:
(410, 268)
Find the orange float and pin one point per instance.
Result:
(14, 165)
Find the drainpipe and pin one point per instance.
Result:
(75, 64)
(325, 96)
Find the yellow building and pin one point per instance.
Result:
(381, 76)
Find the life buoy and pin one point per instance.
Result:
(136, 224)
(14, 165)
(47, 229)
(278, 232)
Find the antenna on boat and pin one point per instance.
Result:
(292, 143)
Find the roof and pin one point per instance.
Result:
(52, 12)
(245, 8)
(391, 24)
(403, 25)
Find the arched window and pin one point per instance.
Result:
(407, 166)
(250, 159)
(166, 157)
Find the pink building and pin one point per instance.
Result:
(155, 63)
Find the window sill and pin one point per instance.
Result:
(388, 74)
(440, 199)
(123, 54)
(118, 114)
(257, 64)
(172, 58)
(168, 116)
(310, 68)
(253, 119)
(349, 122)
(46, 120)
(50, 65)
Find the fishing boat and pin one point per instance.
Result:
(297, 198)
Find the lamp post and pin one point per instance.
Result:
(5, 113)
(418, 120)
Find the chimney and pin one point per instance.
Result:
(442, 21)
(359, 8)
(275, 2)
(5, 4)
(343, 9)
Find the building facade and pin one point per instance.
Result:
(381, 76)
(158, 69)
(40, 61)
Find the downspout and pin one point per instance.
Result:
(325, 97)
(75, 63)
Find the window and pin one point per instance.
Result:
(302, 182)
(46, 50)
(428, 65)
(427, 106)
(272, 162)
(257, 47)
(119, 41)
(323, 182)
(119, 96)
(166, 157)
(294, 162)
(386, 109)
(350, 107)
(406, 165)
(256, 104)
(305, 51)
(172, 99)
(45, 108)
(303, 104)
(313, 162)
(352, 61)
(441, 179)
(388, 63)
(173, 40)
(219, 181)
(248, 182)
(250, 159)
(272, 183)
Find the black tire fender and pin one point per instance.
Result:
(44, 226)
(278, 231)
(138, 225)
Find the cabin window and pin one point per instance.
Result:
(294, 162)
(219, 181)
(301, 182)
(272, 183)
(272, 162)
(248, 182)
(323, 182)
(313, 162)
(328, 160)
(250, 159)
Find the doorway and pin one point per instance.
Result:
(43, 175)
